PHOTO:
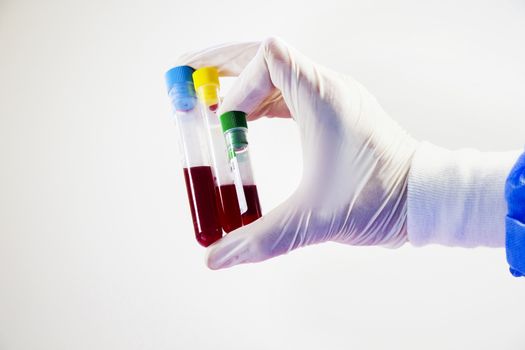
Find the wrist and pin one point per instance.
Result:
(456, 198)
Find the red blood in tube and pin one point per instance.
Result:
(232, 218)
(254, 207)
(228, 207)
(203, 204)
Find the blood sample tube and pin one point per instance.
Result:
(235, 129)
(198, 175)
(207, 85)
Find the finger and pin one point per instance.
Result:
(230, 58)
(278, 232)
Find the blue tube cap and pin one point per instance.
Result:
(179, 82)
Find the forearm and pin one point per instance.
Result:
(456, 198)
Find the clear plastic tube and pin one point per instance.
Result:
(193, 146)
(231, 202)
(236, 135)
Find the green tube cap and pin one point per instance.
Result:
(233, 119)
(238, 138)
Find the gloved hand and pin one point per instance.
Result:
(356, 158)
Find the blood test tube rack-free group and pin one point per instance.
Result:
(219, 182)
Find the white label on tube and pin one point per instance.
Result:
(238, 185)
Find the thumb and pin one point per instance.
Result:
(268, 75)
(278, 232)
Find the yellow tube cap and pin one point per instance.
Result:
(205, 76)
(206, 81)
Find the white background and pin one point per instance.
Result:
(96, 242)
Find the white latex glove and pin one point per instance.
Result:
(350, 146)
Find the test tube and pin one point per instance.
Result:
(207, 85)
(235, 129)
(193, 146)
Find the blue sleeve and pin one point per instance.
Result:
(515, 220)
